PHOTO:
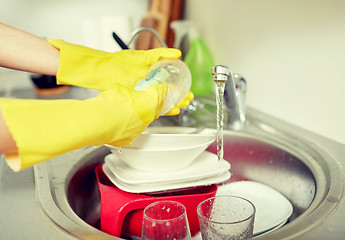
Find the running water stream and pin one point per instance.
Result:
(220, 85)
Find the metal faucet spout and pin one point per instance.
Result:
(148, 29)
(233, 96)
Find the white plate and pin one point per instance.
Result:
(205, 165)
(161, 187)
(271, 230)
(272, 208)
(199, 237)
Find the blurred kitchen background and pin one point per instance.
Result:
(292, 52)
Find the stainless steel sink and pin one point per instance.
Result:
(304, 167)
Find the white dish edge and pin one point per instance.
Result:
(189, 173)
(151, 188)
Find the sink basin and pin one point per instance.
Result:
(267, 151)
(303, 166)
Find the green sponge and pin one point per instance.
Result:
(158, 75)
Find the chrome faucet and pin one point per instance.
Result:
(234, 95)
(147, 29)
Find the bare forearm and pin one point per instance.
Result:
(23, 51)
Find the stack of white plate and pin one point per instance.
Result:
(164, 159)
(204, 170)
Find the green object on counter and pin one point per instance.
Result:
(200, 62)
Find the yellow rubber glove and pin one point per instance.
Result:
(90, 68)
(182, 104)
(44, 129)
(95, 69)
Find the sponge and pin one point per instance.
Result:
(158, 75)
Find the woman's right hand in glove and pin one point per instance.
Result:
(90, 68)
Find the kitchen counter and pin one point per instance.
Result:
(21, 215)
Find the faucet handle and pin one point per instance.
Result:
(220, 73)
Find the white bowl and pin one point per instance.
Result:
(160, 158)
(171, 137)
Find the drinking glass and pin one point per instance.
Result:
(165, 220)
(226, 217)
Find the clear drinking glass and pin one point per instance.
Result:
(165, 220)
(226, 217)
(175, 74)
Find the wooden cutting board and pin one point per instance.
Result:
(159, 16)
